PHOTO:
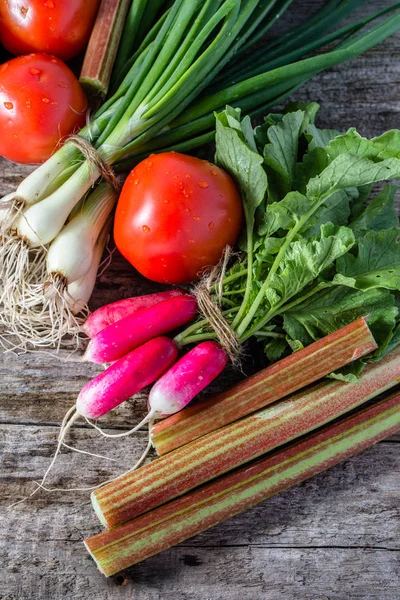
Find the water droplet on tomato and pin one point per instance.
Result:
(61, 84)
(188, 176)
(211, 225)
(214, 172)
(165, 201)
(45, 100)
(187, 210)
(136, 182)
(34, 71)
(203, 184)
(191, 241)
(9, 105)
(166, 172)
(28, 104)
(49, 4)
(146, 228)
(196, 218)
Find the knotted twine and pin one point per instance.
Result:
(212, 311)
(95, 160)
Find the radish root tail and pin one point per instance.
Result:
(148, 418)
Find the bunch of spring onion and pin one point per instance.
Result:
(153, 107)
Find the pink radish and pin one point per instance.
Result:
(180, 384)
(186, 378)
(126, 377)
(116, 384)
(110, 313)
(128, 333)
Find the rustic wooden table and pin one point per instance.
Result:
(335, 537)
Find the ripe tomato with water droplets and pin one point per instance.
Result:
(59, 27)
(41, 101)
(175, 215)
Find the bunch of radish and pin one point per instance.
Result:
(130, 334)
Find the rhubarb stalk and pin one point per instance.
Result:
(229, 495)
(273, 383)
(238, 443)
(103, 45)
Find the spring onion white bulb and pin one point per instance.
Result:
(40, 223)
(78, 292)
(71, 253)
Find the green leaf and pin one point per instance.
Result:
(336, 210)
(379, 214)
(305, 259)
(313, 163)
(377, 149)
(275, 349)
(376, 263)
(237, 154)
(280, 154)
(393, 342)
(348, 374)
(349, 170)
(319, 138)
(336, 306)
(284, 214)
(309, 109)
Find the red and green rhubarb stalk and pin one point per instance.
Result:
(238, 443)
(103, 45)
(273, 383)
(229, 495)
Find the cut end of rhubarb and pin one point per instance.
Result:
(98, 512)
(93, 87)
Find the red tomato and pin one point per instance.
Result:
(40, 102)
(59, 27)
(175, 216)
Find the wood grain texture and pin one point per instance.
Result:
(336, 537)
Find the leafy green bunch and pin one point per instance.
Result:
(319, 249)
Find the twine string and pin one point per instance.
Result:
(212, 312)
(96, 160)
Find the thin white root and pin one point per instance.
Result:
(11, 207)
(89, 453)
(40, 316)
(96, 487)
(65, 426)
(148, 418)
(138, 463)
(70, 417)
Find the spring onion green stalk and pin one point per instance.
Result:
(139, 20)
(196, 126)
(178, 58)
